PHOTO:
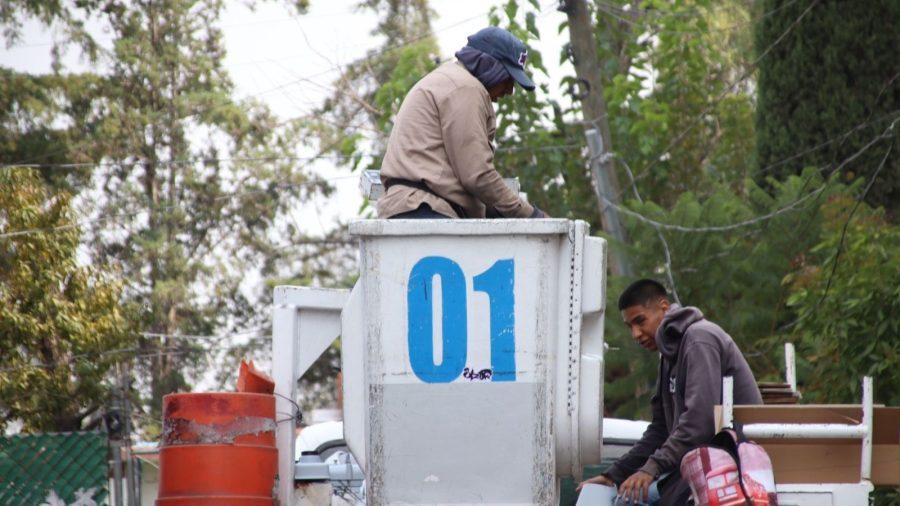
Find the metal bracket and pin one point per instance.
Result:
(862, 430)
(580, 95)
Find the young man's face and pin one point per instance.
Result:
(643, 320)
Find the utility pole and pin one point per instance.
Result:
(124, 388)
(583, 47)
(113, 421)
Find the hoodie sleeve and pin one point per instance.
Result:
(652, 438)
(696, 425)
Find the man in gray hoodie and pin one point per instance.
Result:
(695, 354)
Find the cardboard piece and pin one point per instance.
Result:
(826, 460)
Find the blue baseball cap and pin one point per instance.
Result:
(505, 48)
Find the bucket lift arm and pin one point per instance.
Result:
(315, 312)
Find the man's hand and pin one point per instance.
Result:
(636, 487)
(599, 480)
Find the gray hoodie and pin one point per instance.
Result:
(695, 354)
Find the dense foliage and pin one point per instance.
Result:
(183, 186)
(62, 328)
(827, 88)
(727, 122)
(846, 295)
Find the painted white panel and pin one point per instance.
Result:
(354, 374)
(472, 353)
(396, 257)
(449, 420)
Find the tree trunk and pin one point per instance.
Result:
(587, 70)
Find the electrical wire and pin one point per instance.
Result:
(859, 200)
(138, 353)
(697, 119)
(666, 251)
(618, 13)
(758, 219)
(207, 160)
(18, 233)
(165, 163)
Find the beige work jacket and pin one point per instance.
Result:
(442, 136)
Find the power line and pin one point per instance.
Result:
(205, 160)
(118, 351)
(745, 223)
(618, 13)
(696, 120)
(251, 334)
(667, 252)
(840, 137)
(859, 200)
(166, 207)
(183, 161)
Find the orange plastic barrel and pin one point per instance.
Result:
(218, 448)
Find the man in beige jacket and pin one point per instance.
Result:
(439, 159)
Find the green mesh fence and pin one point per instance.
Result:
(71, 466)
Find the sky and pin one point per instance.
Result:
(288, 61)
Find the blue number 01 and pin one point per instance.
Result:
(497, 282)
(420, 297)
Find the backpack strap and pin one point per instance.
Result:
(728, 440)
(740, 437)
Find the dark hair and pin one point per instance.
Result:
(641, 292)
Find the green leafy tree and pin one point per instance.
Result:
(536, 141)
(46, 119)
(61, 325)
(846, 295)
(828, 88)
(356, 119)
(193, 192)
(680, 118)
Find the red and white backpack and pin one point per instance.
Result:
(730, 471)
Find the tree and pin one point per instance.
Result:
(47, 120)
(189, 192)
(355, 121)
(846, 295)
(828, 88)
(61, 326)
(690, 128)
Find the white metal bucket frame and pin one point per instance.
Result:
(307, 320)
(316, 312)
(863, 431)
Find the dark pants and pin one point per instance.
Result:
(423, 212)
(674, 490)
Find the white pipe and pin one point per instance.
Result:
(865, 470)
(284, 349)
(805, 431)
(727, 401)
(790, 368)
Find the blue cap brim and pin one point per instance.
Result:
(519, 76)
